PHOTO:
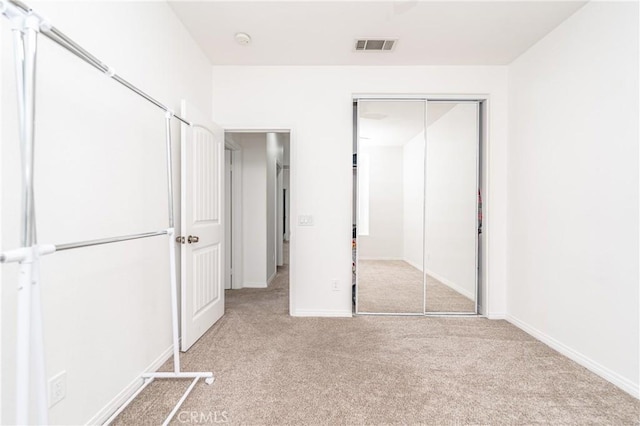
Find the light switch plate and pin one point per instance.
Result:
(57, 388)
(305, 220)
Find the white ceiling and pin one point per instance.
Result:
(389, 123)
(394, 123)
(323, 32)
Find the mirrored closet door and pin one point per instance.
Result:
(390, 220)
(416, 193)
(452, 207)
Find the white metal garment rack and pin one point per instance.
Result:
(30, 361)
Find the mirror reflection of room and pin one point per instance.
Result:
(390, 195)
(416, 223)
(451, 206)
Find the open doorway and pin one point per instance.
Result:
(257, 193)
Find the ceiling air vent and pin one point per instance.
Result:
(375, 45)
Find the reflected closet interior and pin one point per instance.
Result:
(417, 216)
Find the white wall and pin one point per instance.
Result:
(573, 190)
(271, 184)
(254, 208)
(316, 103)
(99, 172)
(275, 157)
(384, 240)
(413, 201)
(451, 199)
(260, 154)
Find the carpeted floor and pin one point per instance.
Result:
(273, 369)
(394, 286)
(389, 286)
(442, 298)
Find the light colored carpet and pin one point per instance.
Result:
(394, 286)
(273, 369)
(389, 286)
(442, 298)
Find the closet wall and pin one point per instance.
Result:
(451, 199)
(413, 201)
(383, 241)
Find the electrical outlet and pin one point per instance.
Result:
(335, 285)
(57, 388)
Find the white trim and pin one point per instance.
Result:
(453, 286)
(407, 261)
(322, 313)
(622, 382)
(254, 284)
(382, 258)
(470, 97)
(272, 277)
(101, 416)
(293, 191)
(249, 129)
(497, 316)
(484, 105)
(415, 265)
(236, 222)
(230, 143)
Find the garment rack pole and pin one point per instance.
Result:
(29, 341)
(82, 244)
(169, 157)
(15, 255)
(58, 37)
(30, 360)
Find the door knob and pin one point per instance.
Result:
(192, 239)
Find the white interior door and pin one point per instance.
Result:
(202, 223)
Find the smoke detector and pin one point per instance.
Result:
(243, 38)
(376, 44)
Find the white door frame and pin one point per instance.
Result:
(279, 215)
(228, 220)
(236, 210)
(292, 197)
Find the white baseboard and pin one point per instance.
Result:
(250, 284)
(622, 382)
(129, 390)
(455, 287)
(272, 277)
(415, 265)
(379, 258)
(333, 314)
(497, 316)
